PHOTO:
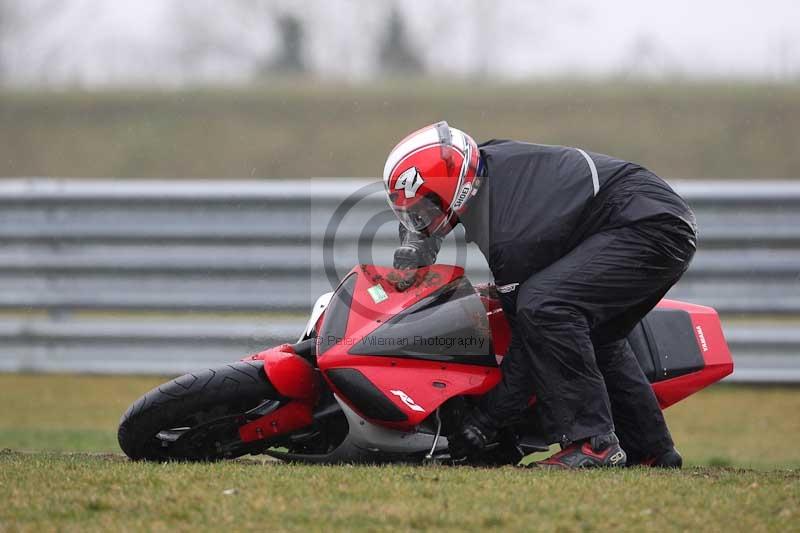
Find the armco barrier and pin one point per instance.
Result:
(163, 276)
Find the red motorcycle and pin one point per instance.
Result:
(380, 375)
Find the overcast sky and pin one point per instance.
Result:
(100, 42)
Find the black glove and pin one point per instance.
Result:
(415, 251)
(407, 257)
(406, 261)
(477, 430)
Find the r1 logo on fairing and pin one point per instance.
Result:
(407, 400)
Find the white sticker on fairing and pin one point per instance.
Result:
(702, 338)
(408, 401)
(377, 294)
(462, 196)
(410, 181)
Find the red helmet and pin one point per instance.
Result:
(430, 177)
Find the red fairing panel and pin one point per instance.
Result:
(501, 332)
(713, 347)
(426, 384)
(417, 387)
(291, 375)
(292, 416)
(412, 380)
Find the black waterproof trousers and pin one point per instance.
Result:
(569, 330)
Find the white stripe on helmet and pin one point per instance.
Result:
(414, 142)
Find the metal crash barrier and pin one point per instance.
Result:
(164, 276)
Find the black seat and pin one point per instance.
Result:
(665, 344)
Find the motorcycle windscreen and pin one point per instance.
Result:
(449, 326)
(334, 323)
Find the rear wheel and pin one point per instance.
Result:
(196, 417)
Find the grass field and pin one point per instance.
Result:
(61, 470)
(91, 493)
(312, 130)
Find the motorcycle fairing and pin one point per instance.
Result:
(408, 383)
(414, 384)
(291, 375)
(367, 442)
(716, 356)
(298, 384)
(398, 392)
(316, 314)
(683, 342)
(449, 326)
(283, 420)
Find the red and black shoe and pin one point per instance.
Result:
(600, 450)
(668, 459)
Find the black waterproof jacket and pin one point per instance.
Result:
(537, 202)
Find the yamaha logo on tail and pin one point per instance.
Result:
(702, 338)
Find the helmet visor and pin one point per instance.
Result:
(422, 216)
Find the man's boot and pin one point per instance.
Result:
(600, 450)
(669, 459)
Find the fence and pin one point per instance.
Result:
(157, 276)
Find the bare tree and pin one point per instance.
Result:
(396, 55)
(290, 57)
(648, 58)
(54, 25)
(261, 33)
(7, 15)
(203, 32)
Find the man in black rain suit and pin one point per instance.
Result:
(581, 246)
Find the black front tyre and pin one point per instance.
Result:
(196, 417)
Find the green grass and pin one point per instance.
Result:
(97, 493)
(307, 129)
(725, 425)
(726, 429)
(66, 412)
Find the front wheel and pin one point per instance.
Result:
(196, 417)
